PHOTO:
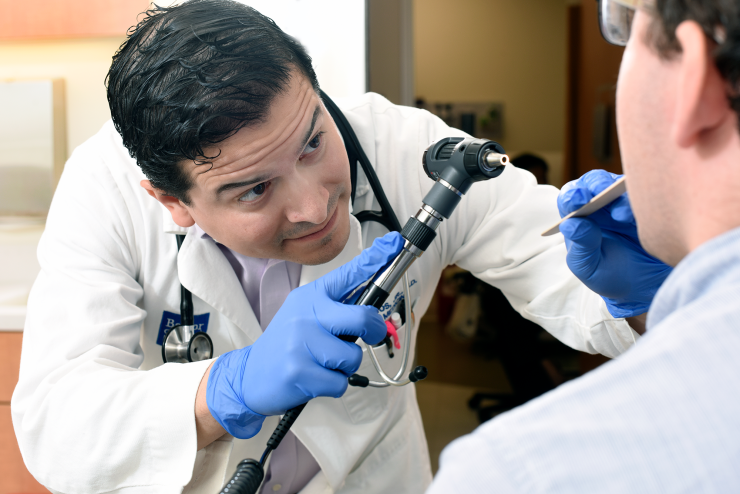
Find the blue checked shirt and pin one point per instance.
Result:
(663, 417)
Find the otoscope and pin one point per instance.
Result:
(454, 163)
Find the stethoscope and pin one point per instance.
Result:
(182, 343)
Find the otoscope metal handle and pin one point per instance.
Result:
(455, 163)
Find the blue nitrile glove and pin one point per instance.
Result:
(604, 251)
(299, 356)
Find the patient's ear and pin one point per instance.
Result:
(701, 96)
(178, 210)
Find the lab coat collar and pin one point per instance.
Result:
(205, 271)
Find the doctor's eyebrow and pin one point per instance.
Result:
(246, 183)
(316, 113)
(265, 178)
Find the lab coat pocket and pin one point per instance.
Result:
(367, 404)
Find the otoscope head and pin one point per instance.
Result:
(455, 163)
(462, 161)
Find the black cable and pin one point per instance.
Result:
(187, 317)
(284, 426)
(386, 216)
(246, 480)
(249, 473)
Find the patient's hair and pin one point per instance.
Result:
(191, 76)
(714, 16)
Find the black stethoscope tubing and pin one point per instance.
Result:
(386, 216)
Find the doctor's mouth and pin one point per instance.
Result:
(322, 231)
(320, 234)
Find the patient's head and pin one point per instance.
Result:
(677, 116)
(533, 164)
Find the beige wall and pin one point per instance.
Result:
(510, 51)
(82, 63)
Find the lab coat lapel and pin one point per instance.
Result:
(351, 249)
(205, 271)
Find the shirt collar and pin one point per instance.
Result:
(200, 233)
(713, 265)
(251, 262)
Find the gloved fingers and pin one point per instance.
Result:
(578, 193)
(362, 321)
(320, 381)
(606, 222)
(335, 354)
(598, 180)
(583, 241)
(340, 282)
(572, 197)
(224, 399)
(621, 210)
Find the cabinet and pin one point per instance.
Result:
(14, 477)
(593, 67)
(44, 19)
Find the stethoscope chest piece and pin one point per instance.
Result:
(182, 345)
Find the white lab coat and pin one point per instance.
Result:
(95, 411)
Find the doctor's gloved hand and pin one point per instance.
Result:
(299, 356)
(604, 251)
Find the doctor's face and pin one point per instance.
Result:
(279, 189)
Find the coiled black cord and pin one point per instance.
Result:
(249, 473)
(247, 479)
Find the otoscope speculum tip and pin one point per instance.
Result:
(493, 159)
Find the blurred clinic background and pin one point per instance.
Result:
(534, 75)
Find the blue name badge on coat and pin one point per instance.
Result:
(170, 320)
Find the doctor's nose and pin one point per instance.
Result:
(308, 205)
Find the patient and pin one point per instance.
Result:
(664, 416)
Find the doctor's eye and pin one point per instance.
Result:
(255, 192)
(312, 145)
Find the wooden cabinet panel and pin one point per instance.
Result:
(14, 477)
(68, 18)
(9, 364)
(593, 67)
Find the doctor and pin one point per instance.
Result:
(219, 133)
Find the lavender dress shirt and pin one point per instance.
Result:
(267, 283)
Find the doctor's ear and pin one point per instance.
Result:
(178, 210)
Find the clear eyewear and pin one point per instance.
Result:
(615, 18)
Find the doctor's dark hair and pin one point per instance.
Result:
(192, 75)
(714, 16)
